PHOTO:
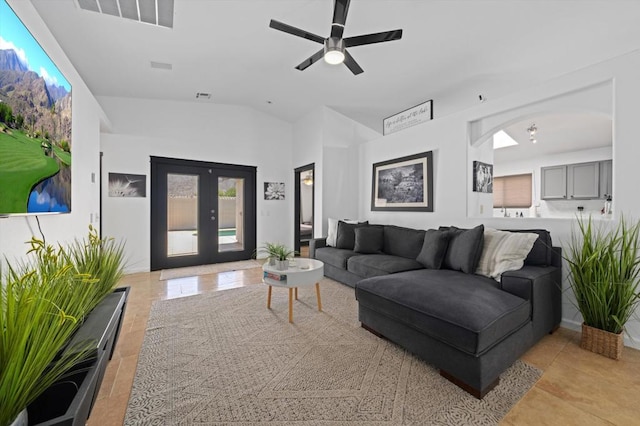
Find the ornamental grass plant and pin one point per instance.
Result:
(604, 272)
(43, 301)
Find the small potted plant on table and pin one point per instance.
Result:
(278, 254)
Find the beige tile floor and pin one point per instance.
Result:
(577, 387)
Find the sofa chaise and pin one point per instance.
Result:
(427, 292)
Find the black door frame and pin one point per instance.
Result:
(297, 203)
(208, 171)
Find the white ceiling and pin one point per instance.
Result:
(556, 134)
(451, 51)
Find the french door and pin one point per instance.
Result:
(201, 212)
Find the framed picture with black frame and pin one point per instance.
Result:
(403, 184)
(482, 177)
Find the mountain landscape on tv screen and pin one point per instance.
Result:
(35, 140)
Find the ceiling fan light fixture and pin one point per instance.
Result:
(334, 51)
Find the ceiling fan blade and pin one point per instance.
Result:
(340, 9)
(276, 25)
(352, 64)
(311, 60)
(373, 38)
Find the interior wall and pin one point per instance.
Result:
(306, 202)
(87, 117)
(449, 138)
(307, 149)
(331, 141)
(195, 131)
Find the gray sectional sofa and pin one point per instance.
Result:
(419, 289)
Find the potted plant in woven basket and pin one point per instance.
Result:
(604, 274)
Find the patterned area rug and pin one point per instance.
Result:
(214, 268)
(224, 358)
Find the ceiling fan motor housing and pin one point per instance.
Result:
(334, 50)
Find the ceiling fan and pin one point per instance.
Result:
(334, 50)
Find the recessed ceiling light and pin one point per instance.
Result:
(203, 95)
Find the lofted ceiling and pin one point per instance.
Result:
(451, 51)
(556, 134)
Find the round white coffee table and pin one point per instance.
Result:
(306, 272)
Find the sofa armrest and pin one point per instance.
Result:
(316, 243)
(542, 287)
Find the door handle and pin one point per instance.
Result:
(213, 218)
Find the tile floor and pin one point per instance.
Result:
(577, 387)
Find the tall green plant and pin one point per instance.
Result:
(42, 303)
(38, 315)
(99, 258)
(604, 273)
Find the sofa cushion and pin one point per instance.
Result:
(433, 249)
(346, 238)
(465, 311)
(542, 251)
(504, 251)
(405, 242)
(465, 248)
(368, 239)
(373, 265)
(334, 256)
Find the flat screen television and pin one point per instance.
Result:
(35, 124)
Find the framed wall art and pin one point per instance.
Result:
(127, 185)
(274, 191)
(482, 177)
(403, 184)
(408, 118)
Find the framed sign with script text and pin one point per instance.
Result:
(407, 118)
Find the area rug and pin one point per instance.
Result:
(214, 268)
(223, 358)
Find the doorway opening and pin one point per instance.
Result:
(201, 212)
(304, 206)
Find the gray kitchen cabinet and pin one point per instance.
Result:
(583, 180)
(553, 183)
(606, 178)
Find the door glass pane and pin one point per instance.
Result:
(230, 214)
(182, 214)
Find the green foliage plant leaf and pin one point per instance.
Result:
(604, 272)
(42, 303)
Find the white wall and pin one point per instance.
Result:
(195, 131)
(306, 202)
(331, 141)
(87, 117)
(449, 138)
(307, 149)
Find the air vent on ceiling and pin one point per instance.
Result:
(203, 95)
(161, 65)
(155, 12)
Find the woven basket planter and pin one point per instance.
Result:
(602, 342)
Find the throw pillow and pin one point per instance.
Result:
(465, 248)
(369, 239)
(434, 249)
(504, 251)
(346, 238)
(332, 232)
